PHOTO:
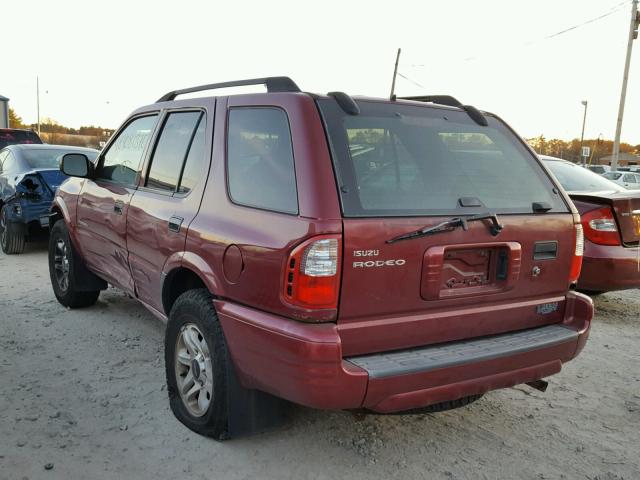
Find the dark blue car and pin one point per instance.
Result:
(29, 177)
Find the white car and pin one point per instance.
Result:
(628, 180)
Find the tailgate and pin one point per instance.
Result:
(403, 167)
(452, 285)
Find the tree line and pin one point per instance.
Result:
(50, 126)
(570, 150)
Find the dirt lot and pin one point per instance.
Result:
(82, 393)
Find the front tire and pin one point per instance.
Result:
(196, 363)
(63, 270)
(12, 238)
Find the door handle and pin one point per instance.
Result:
(118, 206)
(175, 223)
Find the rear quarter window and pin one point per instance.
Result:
(260, 165)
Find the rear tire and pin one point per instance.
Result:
(12, 238)
(196, 361)
(63, 265)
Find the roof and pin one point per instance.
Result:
(47, 146)
(4, 98)
(554, 159)
(16, 130)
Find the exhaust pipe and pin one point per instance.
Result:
(539, 385)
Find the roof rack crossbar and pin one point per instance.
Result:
(439, 99)
(475, 114)
(273, 84)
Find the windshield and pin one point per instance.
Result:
(577, 179)
(612, 175)
(51, 158)
(14, 137)
(404, 160)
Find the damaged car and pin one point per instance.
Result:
(29, 177)
(610, 216)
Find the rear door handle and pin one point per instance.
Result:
(175, 223)
(118, 206)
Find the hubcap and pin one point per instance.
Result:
(61, 264)
(194, 371)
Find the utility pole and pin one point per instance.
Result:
(38, 101)
(395, 74)
(633, 34)
(584, 121)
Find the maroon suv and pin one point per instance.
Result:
(335, 252)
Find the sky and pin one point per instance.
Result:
(98, 61)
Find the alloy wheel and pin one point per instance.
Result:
(61, 264)
(194, 370)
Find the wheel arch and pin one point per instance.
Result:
(177, 281)
(58, 211)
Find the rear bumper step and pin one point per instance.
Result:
(433, 357)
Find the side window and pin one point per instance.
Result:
(194, 167)
(9, 165)
(121, 163)
(2, 157)
(260, 168)
(172, 149)
(630, 178)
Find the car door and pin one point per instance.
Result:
(629, 181)
(10, 170)
(3, 176)
(104, 201)
(168, 198)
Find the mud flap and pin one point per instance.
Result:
(87, 281)
(251, 411)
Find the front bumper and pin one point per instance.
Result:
(303, 363)
(606, 268)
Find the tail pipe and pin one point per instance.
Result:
(540, 385)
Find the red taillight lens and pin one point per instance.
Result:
(576, 262)
(312, 276)
(600, 227)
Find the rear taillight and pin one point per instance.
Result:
(636, 220)
(600, 227)
(312, 276)
(576, 262)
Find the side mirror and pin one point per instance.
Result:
(76, 165)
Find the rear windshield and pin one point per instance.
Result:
(403, 160)
(14, 137)
(574, 178)
(50, 158)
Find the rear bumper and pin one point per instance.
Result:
(26, 211)
(303, 363)
(606, 268)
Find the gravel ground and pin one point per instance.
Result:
(82, 395)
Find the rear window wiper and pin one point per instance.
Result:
(450, 225)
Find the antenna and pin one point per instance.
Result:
(395, 74)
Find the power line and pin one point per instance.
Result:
(587, 22)
(409, 80)
(616, 8)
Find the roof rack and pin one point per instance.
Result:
(439, 99)
(475, 114)
(273, 84)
